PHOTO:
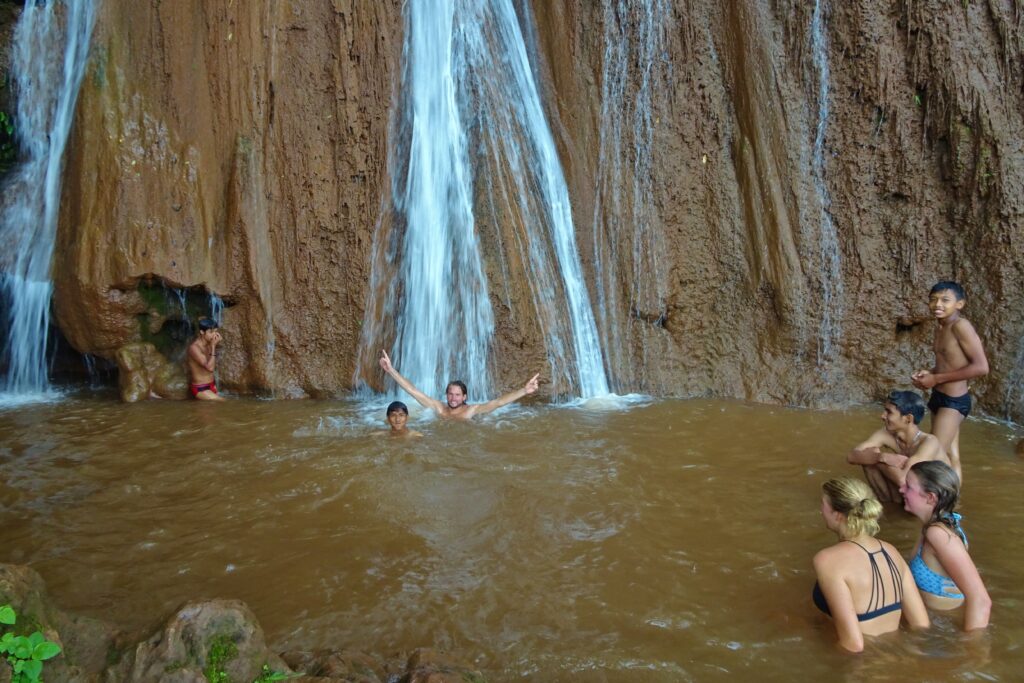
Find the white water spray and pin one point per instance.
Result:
(467, 76)
(50, 48)
(631, 285)
(832, 277)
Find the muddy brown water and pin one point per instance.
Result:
(657, 541)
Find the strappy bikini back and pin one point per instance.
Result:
(877, 602)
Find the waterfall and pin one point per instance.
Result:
(216, 309)
(51, 44)
(631, 283)
(473, 133)
(832, 275)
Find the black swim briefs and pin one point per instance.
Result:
(961, 404)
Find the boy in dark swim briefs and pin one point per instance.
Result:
(959, 357)
(202, 361)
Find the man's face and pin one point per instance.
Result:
(211, 334)
(944, 304)
(455, 396)
(892, 419)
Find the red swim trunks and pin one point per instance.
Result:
(196, 388)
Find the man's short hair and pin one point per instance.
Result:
(908, 403)
(397, 407)
(207, 324)
(457, 383)
(949, 286)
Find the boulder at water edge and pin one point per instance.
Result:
(144, 372)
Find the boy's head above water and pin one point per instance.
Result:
(907, 403)
(397, 415)
(397, 407)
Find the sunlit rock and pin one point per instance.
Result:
(145, 373)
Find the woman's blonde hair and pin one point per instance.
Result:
(855, 499)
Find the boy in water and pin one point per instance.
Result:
(886, 471)
(398, 416)
(959, 356)
(202, 361)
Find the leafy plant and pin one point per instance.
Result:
(8, 143)
(222, 651)
(25, 654)
(268, 675)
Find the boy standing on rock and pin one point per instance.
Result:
(202, 361)
(959, 356)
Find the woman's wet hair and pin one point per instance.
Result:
(941, 480)
(397, 407)
(908, 403)
(855, 499)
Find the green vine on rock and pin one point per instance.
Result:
(25, 654)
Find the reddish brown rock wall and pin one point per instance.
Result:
(240, 146)
(244, 148)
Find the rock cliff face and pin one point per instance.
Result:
(242, 150)
(239, 149)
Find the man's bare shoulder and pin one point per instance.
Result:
(882, 438)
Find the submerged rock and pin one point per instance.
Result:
(145, 373)
(332, 665)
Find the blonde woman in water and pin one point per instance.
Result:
(864, 584)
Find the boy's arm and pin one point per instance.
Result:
(421, 398)
(483, 408)
(977, 362)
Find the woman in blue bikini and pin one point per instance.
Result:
(863, 583)
(942, 567)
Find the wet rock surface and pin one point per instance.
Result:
(202, 641)
(85, 643)
(144, 373)
(264, 179)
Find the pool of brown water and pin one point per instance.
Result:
(651, 541)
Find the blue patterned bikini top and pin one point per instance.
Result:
(930, 581)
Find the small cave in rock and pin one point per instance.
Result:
(173, 311)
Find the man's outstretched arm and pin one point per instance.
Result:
(529, 388)
(421, 398)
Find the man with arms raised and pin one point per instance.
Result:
(456, 395)
(906, 444)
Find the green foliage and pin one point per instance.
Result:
(268, 675)
(222, 651)
(8, 143)
(25, 654)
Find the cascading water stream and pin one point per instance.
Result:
(467, 76)
(634, 39)
(47, 91)
(832, 277)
